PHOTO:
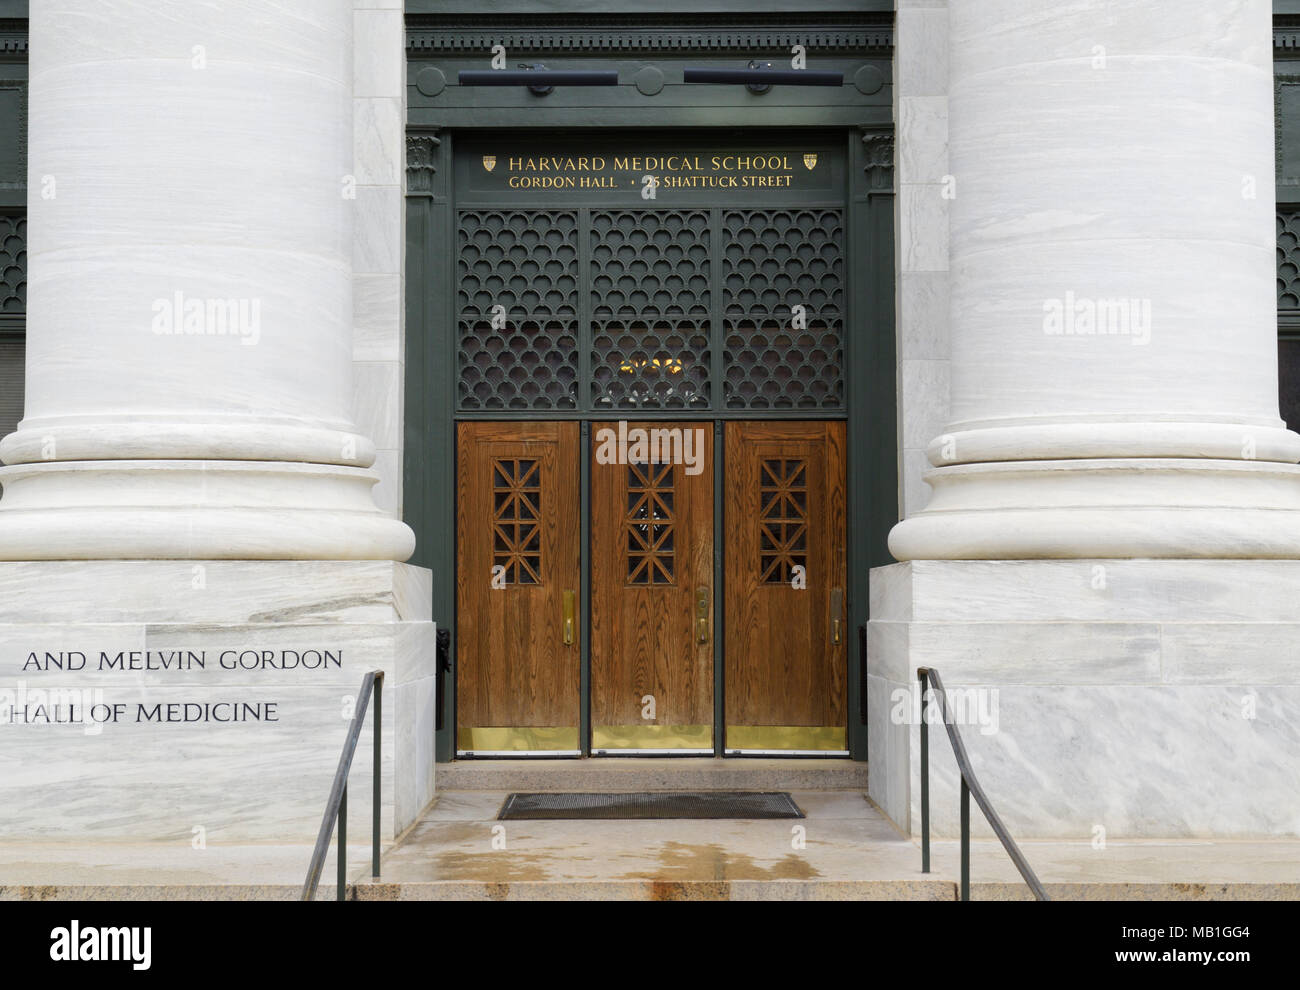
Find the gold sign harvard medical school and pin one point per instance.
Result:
(635, 172)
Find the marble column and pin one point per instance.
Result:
(189, 297)
(1113, 304)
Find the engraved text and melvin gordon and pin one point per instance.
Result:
(247, 659)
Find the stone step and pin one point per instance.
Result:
(941, 888)
(658, 890)
(653, 774)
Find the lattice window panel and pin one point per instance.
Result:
(773, 261)
(650, 523)
(782, 519)
(517, 519)
(650, 303)
(1288, 258)
(13, 265)
(527, 262)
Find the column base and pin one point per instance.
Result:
(244, 510)
(1098, 699)
(206, 703)
(1158, 507)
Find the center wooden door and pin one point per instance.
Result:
(652, 622)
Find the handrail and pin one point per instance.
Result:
(336, 808)
(969, 786)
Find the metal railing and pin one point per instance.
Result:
(336, 808)
(969, 786)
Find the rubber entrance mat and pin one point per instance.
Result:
(649, 805)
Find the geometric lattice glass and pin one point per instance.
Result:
(782, 519)
(517, 519)
(650, 523)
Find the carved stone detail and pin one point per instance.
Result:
(422, 158)
(879, 153)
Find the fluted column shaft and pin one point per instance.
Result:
(190, 298)
(1113, 302)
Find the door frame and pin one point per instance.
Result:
(857, 42)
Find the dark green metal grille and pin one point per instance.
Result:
(525, 355)
(650, 309)
(776, 260)
(635, 292)
(1288, 258)
(13, 264)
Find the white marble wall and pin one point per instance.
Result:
(135, 780)
(1141, 698)
(921, 115)
(379, 121)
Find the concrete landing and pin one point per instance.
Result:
(843, 850)
(847, 850)
(850, 852)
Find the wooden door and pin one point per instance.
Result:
(517, 581)
(786, 619)
(652, 588)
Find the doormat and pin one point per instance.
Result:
(650, 805)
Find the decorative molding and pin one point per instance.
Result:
(20, 180)
(1281, 80)
(878, 151)
(1286, 35)
(631, 34)
(422, 152)
(13, 39)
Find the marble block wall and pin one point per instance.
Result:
(127, 775)
(379, 129)
(1101, 699)
(924, 194)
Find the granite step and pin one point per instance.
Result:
(653, 774)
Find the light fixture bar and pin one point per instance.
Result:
(537, 77)
(763, 77)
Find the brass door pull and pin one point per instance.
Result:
(701, 615)
(566, 633)
(837, 615)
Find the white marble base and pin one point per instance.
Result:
(1084, 508)
(127, 775)
(195, 510)
(1112, 698)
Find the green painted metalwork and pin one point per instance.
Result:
(852, 124)
(1286, 108)
(13, 209)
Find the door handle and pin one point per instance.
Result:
(566, 626)
(837, 615)
(701, 614)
